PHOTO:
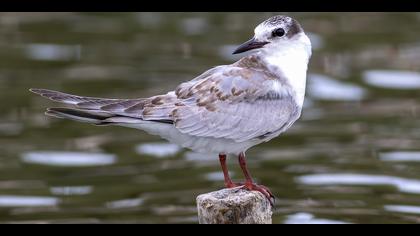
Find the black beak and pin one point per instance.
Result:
(249, 45)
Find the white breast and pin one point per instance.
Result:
(295, 72)
(291, 58)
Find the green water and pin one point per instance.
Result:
(353, 157)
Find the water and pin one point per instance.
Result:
(353, 157)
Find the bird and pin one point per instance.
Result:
(226, 110)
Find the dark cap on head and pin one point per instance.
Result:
(293, 26)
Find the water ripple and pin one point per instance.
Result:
(125, 203)
(71, 190)
(53, 52)
(392, 79)
(75, 159)
(403, 185)
(158, 149)
(325, 88)
(400, 156)
(403, 209)
(306, 218)
(27, 201)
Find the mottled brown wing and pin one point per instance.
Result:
(234, 103)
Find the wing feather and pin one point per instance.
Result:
(235, 103)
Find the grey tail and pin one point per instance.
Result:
(98, 111)
(87, 116)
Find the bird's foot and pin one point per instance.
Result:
(262, 189)
(254, 187)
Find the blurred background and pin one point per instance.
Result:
(353, 157)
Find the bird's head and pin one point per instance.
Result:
(276, 34)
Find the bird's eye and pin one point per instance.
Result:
(279, 32)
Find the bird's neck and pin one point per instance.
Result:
(290, 63)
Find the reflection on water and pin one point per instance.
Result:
(10, 128)
(27, 201)
(393, 79)
(194, 26)
(306, 218)
(325, 88)
(158, 149)
(218, 176)
(73, 190)
(49, 52)
(125, 203)
(361, 116)
(404, 185)
(317, 41)
(403, 209)
(400, 156)
(68, 158)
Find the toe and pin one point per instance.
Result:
(262, 189)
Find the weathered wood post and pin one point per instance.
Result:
(234, 206)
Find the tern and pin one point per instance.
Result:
(226, 110)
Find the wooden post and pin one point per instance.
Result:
(234, 206)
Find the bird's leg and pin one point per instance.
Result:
(249, 183)
(228, 181)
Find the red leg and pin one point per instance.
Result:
(228, 181)
(249, 183)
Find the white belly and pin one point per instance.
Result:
(197, 144)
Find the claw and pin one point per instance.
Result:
(262, 189)
(255, 187)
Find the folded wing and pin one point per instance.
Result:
(234, 103)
